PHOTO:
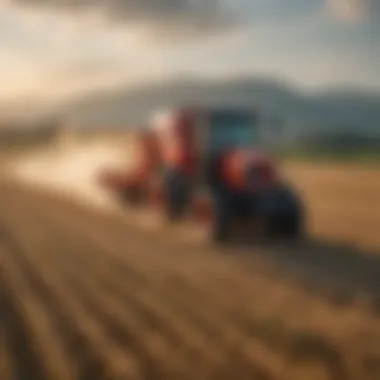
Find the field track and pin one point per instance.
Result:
(84, 296)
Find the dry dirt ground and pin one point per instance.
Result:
(343, 200)
(88, 295)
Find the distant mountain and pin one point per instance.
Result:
(338, 111)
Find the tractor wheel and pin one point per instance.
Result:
(177, 195)
(173, 211)
(220, 230)
(289, 224)
(220, 227)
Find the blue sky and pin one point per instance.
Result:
(61, 51)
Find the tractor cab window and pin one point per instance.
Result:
(231, 130)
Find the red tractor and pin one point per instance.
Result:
(205, 164)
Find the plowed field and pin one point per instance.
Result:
(86, 295)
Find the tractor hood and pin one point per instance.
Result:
(249, 170)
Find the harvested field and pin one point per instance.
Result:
(86, 295)
(343, 200)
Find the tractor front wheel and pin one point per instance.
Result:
(287, 226)
(289, 221)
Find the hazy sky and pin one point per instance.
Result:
(73, 46)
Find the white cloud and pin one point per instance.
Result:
(162, 17)
(48, 54)
(60, 55)
(55, 54)
(355, 10)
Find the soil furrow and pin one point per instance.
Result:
(103, 300)
(216, 320)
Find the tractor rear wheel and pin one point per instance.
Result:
(173, 211)
(177, 189)
(222, 218)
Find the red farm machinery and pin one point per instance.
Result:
(206, 164)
